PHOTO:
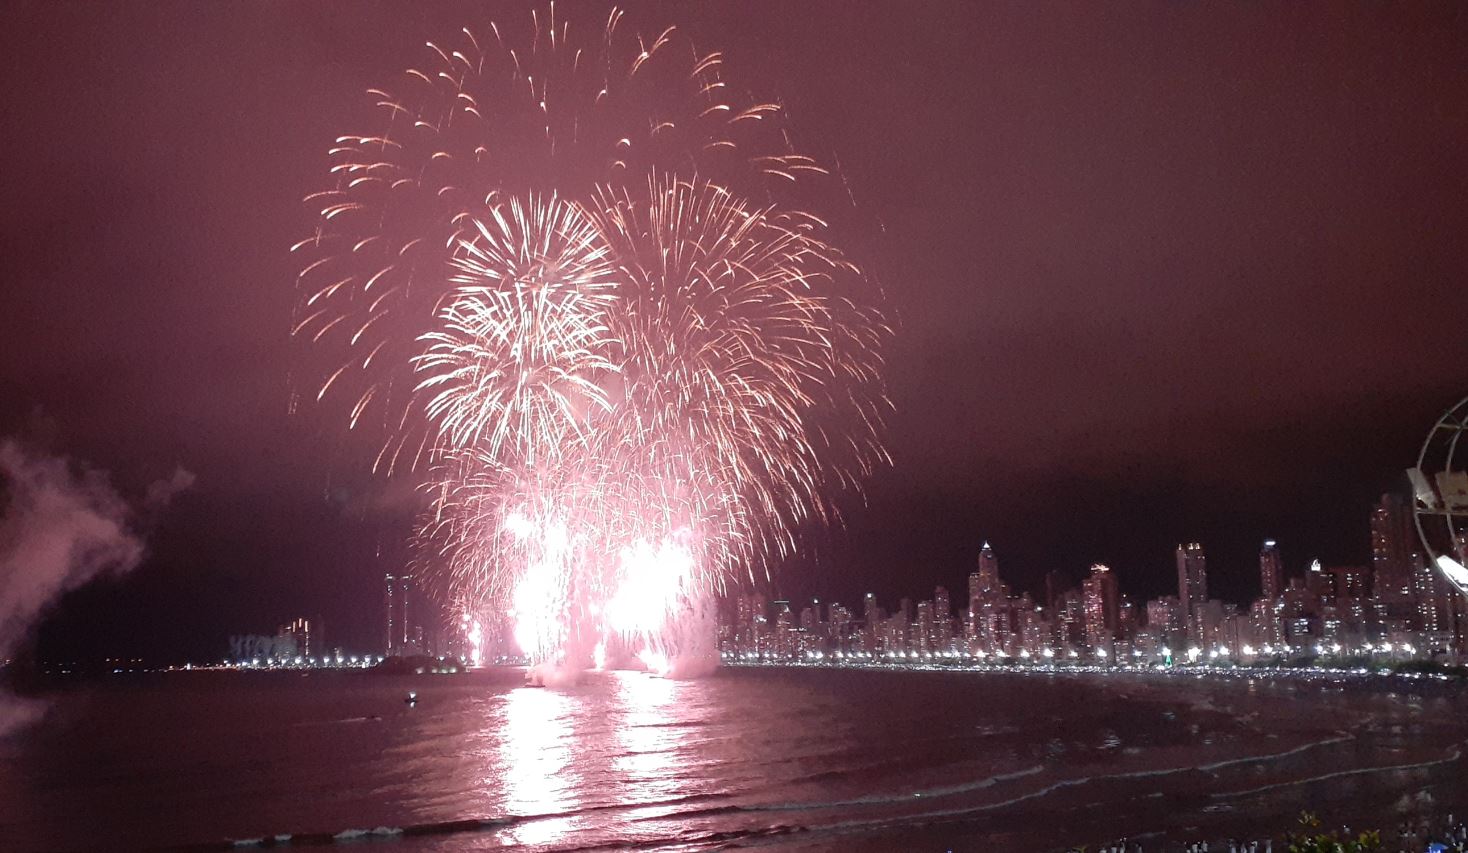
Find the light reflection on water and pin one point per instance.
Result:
(552, 744)
(628, 759)
(648, 738)
(535, 757)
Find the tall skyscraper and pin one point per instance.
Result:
(396, 600)
(1165, 619)
(390, 603)
(924, 628)
(1319, 584)
(1102, 606)
(1271, 573)
(1392, 541)
(1433, 595)
(942, 619)
(988, 574)
(1192, 576)
(784, 629)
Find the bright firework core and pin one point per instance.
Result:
(571, 282)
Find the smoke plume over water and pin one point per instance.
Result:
(61, 526)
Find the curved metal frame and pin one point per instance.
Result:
(1450, 429)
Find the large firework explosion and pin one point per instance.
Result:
(569, 284)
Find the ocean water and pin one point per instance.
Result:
(799, 759)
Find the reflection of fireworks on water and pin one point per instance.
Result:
(624, 386)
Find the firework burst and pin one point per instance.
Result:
(568, 285)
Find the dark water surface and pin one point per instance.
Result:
(801, 759)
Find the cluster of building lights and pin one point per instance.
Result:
(301, 662)
(1164, 656)
(1401, 606)
(1321, 669)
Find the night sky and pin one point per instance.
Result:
(1160, 272)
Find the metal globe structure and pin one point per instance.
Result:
(1440, 487)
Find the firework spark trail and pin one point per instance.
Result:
(566, 283)
(521, 340)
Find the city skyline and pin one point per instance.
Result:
(423, 627)
(1119, 328)
(1398, 605)
(1379, 538)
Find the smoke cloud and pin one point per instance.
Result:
(61, 526)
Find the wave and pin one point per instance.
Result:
(347, 836)
(1457, 754)
(965, 812)
(1343, 737)
(310, 723)
(755, 836)
(884, 799)
(445, 827)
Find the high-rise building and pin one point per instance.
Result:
(743, 623)
(1165, 620)
(942, 619)
(839, 626)
(395, 596)
(1392, 542)
(810, 619)
(988, 574)
(1271, 572)
(924, 628)
(1348, 581)
(1192, 576)
(1318, 583)
(871, 613)
(1102, 602)
(1433, 595)
(1070, 615)
(784, 641)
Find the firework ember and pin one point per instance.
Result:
(569, 286)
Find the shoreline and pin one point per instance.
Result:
(1389, 757)
(1338, 675)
